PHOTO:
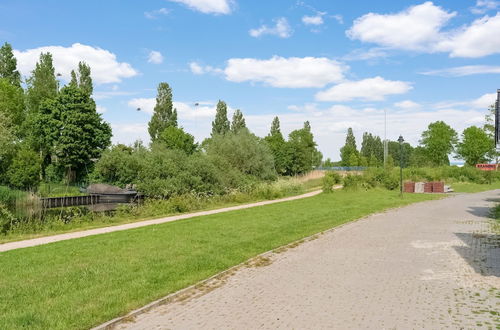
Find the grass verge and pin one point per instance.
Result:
(469, 187)
(81, 283)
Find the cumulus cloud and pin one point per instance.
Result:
(185, 111)
(412, 29)
(466, 70)
(154, 14)
(208, 6)
(292, 72)
(104, 65)
(155, 57)
(420, 28)
(476, 40)
(282, 29)
(371, 89)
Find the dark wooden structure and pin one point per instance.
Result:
(49, 202)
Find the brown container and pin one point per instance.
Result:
(428, 187)
(409, 187)
(438, 187)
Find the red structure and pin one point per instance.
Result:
(409, 187)
(487, 167)
(438, 187)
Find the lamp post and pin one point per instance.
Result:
(401, 140)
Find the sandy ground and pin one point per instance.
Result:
(104, 230)
(430, 265)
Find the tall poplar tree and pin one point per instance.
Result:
(8, 65)
(220, 125)
(349, 152)
(279, 147)
(238, 122)
(42, 84)
(164, 113)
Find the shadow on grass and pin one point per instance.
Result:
(480, 211)
(482, 252)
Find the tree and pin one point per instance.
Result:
(302, 151)
(372, 149)
(220, 125)
(475, 146)
(349, 149)
(238, 122)
(164, 114)
(75, 132)
(439, 140)
(12, 105)
(8, 66)
(83, 79)
(244, 151)
(489, 128)
(175, 138)
(7, 145)
(42, 84)
(24, 171)
(278, 147)
(393, 150)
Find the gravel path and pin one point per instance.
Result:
(430, 265)
(104, 230)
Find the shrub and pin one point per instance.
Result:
(24, 172)
(330, 179)
(354, 182)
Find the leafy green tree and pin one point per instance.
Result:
(7, 145)
(238, 122)
(244, 151)
(176, 138)
(220, 125)
(419, 157)
(439, 140)
(75, 132)
(23, 173)
(372, 149)
(12, 105)
(8, 66)
(393, 149)
(349, 149)
(328, 163)
(83, 79)
(120, 165)
(475, 146)
(278, 147)
(42, 84)
(302, 151)
(489, 128)
(164, 113)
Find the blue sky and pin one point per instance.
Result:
(338, 64)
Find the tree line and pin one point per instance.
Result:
(476, 145)
(53, 133)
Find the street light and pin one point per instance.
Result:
(401, 140)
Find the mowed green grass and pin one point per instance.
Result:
(468, 187)
(81, 283)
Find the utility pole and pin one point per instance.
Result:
(385, 137)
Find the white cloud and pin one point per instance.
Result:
(105, 68)
(155, 57)
(482, 6)
(154, 14)
(292, 72)
(199, 69)
(484, 101)
(371, 89)
(282, 29)
(412, 29)
(476, 40)
(313, 20)
(407, 105)
(419, 28)
(208, 6)
(466, 70)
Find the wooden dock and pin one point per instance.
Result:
(49, 202)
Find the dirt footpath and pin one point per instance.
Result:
(429, 265)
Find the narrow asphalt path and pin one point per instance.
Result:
(430, 265)
(104, 230)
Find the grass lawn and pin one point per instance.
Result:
(81, 283)
(467, 187)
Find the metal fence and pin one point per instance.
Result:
(342, 168)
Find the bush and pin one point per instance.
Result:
(330, 179)
(354, 182)
(278, 189)
(24, 172)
